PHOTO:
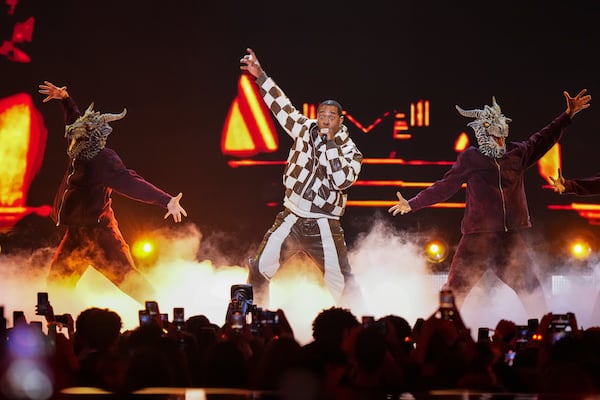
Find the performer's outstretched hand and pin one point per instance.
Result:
(175, 208)
(250, 63)
(52, 91)
(577, 103)
(558, 183)
(402, 207)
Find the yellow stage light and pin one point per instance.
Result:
(580, 249)
(436, 251)
(143, 249)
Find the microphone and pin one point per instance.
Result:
(323, 132)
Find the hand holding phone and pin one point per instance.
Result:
(19, 318)
(42, 303)
(447, 307)
(152, 308)
(144, 317)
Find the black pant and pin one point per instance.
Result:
(321, 239)
(505, 253)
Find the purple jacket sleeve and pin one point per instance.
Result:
(583, 187)
(71, 111)
(129, 183)
(540, 142)
(444, 188)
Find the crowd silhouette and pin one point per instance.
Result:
(349, 357)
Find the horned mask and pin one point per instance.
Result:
(87, 135)
(491, 128)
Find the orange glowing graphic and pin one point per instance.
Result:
(400, 161)
(249, 128)
(419, 113)
(310, 110)
(400, 126)
(22, 144)
(399, 184)
(462, 142)
(365, 129)
(591, 212)
(418, 116)
(378, 161)
(550, 162)
(389, 203)
(237, 135)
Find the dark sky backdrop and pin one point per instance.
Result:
(174, 66)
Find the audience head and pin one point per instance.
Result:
(402, 330)
(97, 328)
(330, 324)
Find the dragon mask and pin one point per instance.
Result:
(491, 128)
(87, 135)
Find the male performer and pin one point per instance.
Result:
(323, 162)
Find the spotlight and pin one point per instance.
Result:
(577, 246)
(144, 251)
(436, 251)
(580, 249)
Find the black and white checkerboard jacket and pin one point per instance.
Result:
(318, 171)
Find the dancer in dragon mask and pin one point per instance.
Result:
(83, 202)
(496, 212)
